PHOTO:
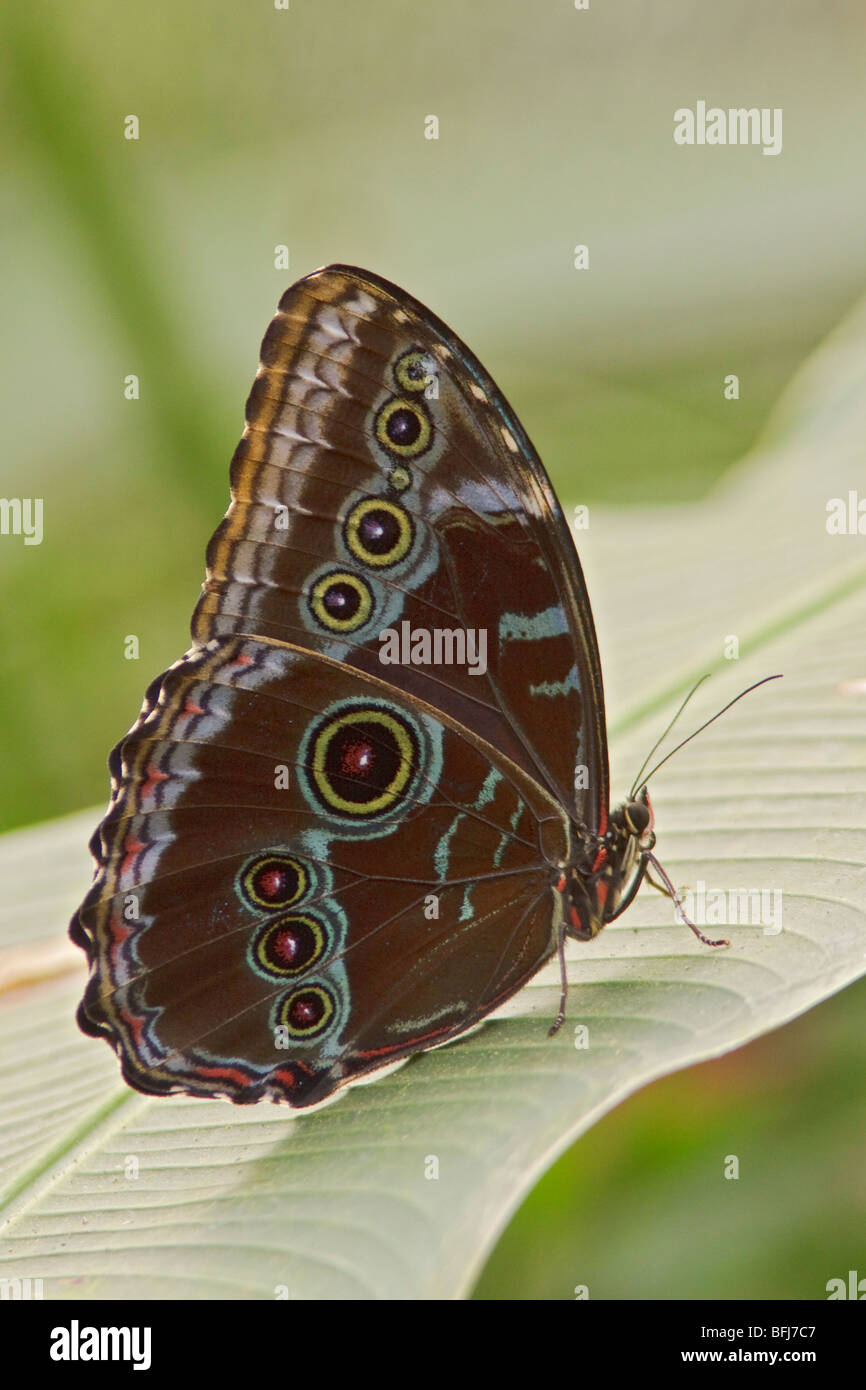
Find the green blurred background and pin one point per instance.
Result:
(260, 127)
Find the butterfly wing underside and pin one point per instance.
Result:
(315, 861)
(382, 480)
(288, 894)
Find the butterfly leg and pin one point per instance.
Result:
(563, 975)
(669, 891)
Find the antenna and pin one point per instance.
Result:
(636, 783)
(640, 780)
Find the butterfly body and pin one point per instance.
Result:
(316, 860)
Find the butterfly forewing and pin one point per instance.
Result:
(384, 485)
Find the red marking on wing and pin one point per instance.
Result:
(131, 848)
(120, 930)
(412, 1042)
(358, 759)
(289, 1078)
(226, 1074)
(136, 1026)
(152, 781)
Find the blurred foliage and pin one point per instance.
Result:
(156, 257)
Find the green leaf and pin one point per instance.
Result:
(250, 1203)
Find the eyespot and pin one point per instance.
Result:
(341, 601)
(378, 532)
(414, 370)
(361, 761)
(273, 881)
(403, 427)
(307, 1012)
(400, 479)
(290, 945)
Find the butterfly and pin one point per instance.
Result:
(371, 801)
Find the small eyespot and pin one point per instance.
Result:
(403, 427)
(400, 479)
(290, 945)
(414, 370)
(378, 532)
(341, 601)
(273, 881)
(307, 1012)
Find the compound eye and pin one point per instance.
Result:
(637, 817)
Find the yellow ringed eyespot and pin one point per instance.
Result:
(403, 427)
(272, 881)
(378, 532)
(341, 601)
(362, 761)
(400, 479)
(414, 370)
(306, 1012)
(290, 945)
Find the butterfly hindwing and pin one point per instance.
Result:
(305, 875)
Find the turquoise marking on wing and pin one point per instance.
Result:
(500, 848)
(317, 842)
(442, 853)
(552, 688)
(488, 791)
(524, 627)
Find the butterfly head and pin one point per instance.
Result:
(594, 898)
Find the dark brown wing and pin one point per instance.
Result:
(383, 480)
(304, 876)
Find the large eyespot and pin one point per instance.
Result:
(290, 945)
(378, 532)
(341, 601)
(273, 881)
(403, 427)
(361, 761)
(307, 1012)
(414, 370)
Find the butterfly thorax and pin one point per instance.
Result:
(605, 871)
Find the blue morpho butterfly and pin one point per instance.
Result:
(346, 824)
